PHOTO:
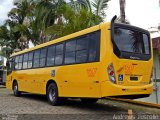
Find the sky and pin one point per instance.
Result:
(5, 7)
(141, 13)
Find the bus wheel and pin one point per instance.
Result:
(15, 89)
(89, 100)
(52, 94)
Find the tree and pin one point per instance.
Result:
(42, 16)
(40, 21)
(118, 20)
(7, 41)
(46, 15)
(10, 38)
(122, 10)
(53, 19)
(78, 15)
(97, 7)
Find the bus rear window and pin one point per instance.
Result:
(131, 41)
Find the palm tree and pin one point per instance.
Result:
(46, 14)
(136, 42)
(43, 15)
(45, 20)
(12, 35)
(54, 19)
(122, 10)
(78, 15)
(97, 7)
(16, 21)
(7, 41)
(119, 20)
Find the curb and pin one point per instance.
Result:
(136, 102)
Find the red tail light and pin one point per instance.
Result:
(111, 73)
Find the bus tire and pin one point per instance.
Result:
(16, 92)
(52, 94)
(89, 100)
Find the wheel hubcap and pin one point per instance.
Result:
(15, 88)
(52, 94)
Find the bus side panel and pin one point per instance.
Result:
(33, 80)
(9, 82)
(81, 80)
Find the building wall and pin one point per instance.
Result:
(156, 64)
(155, 96)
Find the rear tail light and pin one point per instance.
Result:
(151, 77)
(111, 73)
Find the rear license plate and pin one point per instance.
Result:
(134, 78)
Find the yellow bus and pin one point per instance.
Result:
(109, 59)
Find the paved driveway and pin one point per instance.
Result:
(31, 106)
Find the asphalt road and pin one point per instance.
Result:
(31, 107)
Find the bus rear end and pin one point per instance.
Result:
(129, 71)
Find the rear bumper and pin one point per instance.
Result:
(133, 92)
(132, 96)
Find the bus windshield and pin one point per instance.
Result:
(132, 43)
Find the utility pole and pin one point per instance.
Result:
(122, 10)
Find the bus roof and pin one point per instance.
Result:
(76, 34)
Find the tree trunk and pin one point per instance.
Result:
(122, 10)
(42, 37)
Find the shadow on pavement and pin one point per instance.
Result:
(76, 104)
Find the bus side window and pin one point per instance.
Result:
(13, 64)
(70, 52)
(43, 57)
(16, 62)
(59, 54)
(36, 58)
(25, 59)
(82, 49)
(94, 46)
(20, 61)
(50, 55)
(30, 60)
